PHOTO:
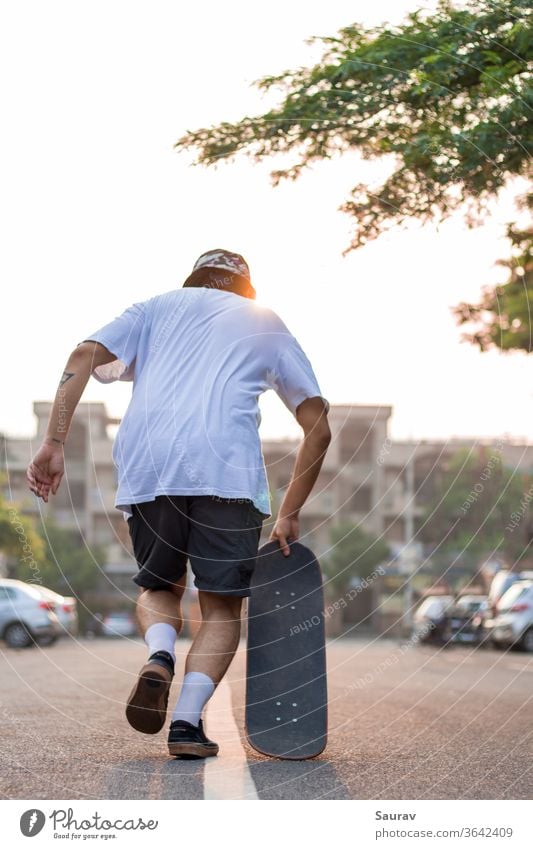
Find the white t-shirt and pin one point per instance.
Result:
(199, 359)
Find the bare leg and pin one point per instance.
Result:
(161, 606)
(217, 639)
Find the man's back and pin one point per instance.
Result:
(200, 358)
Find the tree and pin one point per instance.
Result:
(70, 566)
(67, 566)
(51, 557)
(502, 318)
(445, 98)
(20, 543)
(355, 554)
(479, 508)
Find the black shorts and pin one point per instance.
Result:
(219, 536)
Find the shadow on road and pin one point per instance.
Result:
(313, 779)
(146, 778)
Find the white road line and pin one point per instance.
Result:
(227, 776)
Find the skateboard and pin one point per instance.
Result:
(286, 692)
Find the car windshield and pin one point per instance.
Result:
(50, 594)
(470, 603)
(512, 595)
(433, 605)
(500, 582)
(34, 592)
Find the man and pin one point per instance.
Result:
(191, 475)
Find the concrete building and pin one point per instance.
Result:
(351, 483)
(364, 478)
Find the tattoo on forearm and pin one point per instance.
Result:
(66, 376)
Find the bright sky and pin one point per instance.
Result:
(98, 212)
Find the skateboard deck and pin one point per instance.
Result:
(286, 692)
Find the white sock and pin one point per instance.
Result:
(196, 691)
(161, 637)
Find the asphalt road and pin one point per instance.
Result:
(405, 723)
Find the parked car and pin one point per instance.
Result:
(500, 584)
(464, 625)
(26, 616)
(66, 609)
(119, 625)
(430, 620)
(513, 623)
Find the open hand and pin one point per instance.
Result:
(46, 470)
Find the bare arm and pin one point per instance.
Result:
(46, 469)
(312, 417)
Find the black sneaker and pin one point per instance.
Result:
(189, 741)
(146, 708)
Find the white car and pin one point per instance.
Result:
(429, 619)
(26, 616)
(66, 609)
(433, 607)
(513, 623)
(502, 581)
(470, 604)
(119, 625)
